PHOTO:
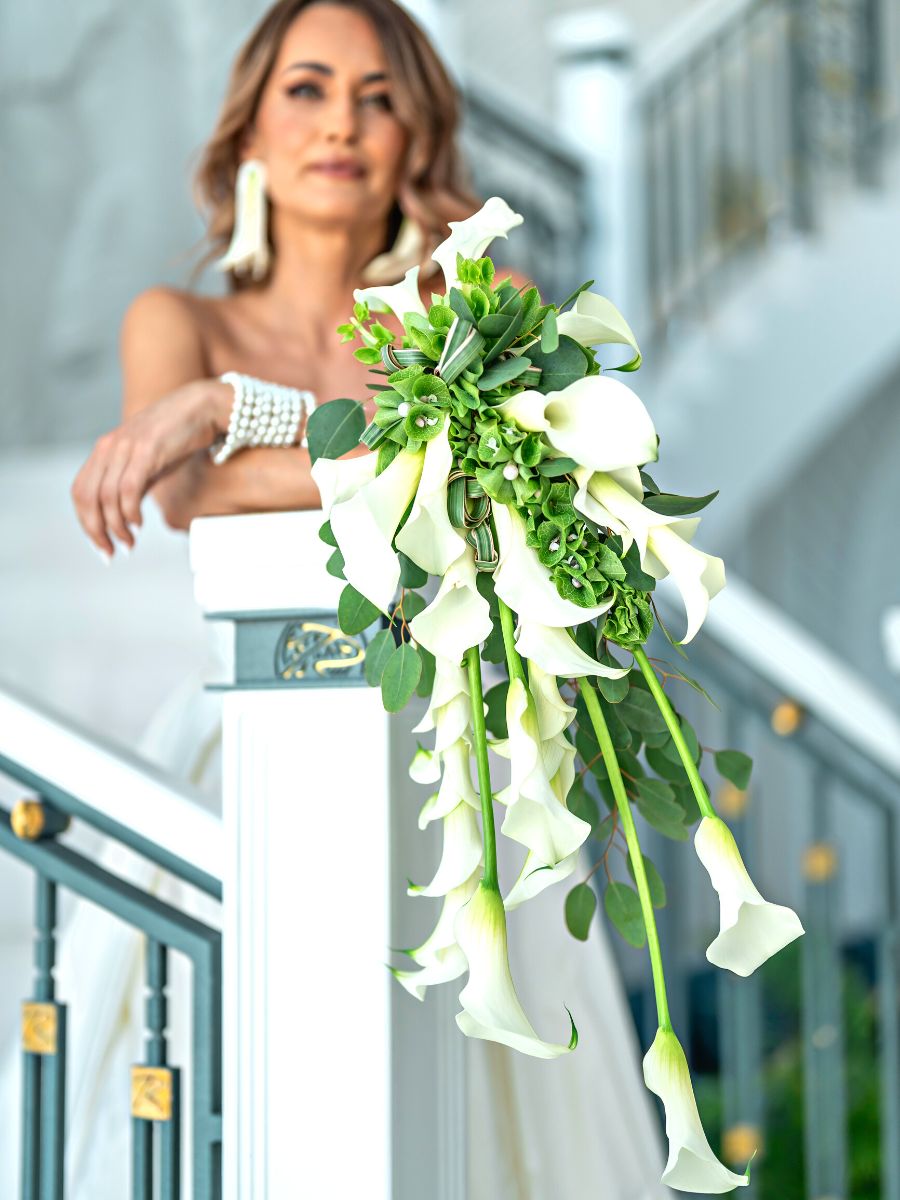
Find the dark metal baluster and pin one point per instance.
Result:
(888, 1034)
(156, 1093)
(823, 1017)
(801, 151)
(207, 1076)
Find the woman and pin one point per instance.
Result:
(352, 117)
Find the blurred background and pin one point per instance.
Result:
(728, 171)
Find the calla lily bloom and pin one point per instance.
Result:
(490, 1007)
(340, 478)
(427, 536)
(448, 712)
(471, 237)
(536, 815)
(399, 298)
(692, 1166)
(439, 957)
(553, 650)
(553, 714)
(458, 617)
(462, 853)
(595, 321)
(425, 766)
(598, 421)
(751, 928)
(525, 584)
(456, 785)
(365, 524)
(663, 542)
(536, 876)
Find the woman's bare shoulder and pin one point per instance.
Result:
(168, 312)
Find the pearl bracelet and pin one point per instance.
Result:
(263, 414)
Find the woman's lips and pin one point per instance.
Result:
(339, 170)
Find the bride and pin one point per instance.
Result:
(342, 111)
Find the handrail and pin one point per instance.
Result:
(692, 32)
(778, 650)
(115, 791)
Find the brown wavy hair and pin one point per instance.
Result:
(434, 187)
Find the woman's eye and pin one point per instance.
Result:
(378, 100)
(304, 89)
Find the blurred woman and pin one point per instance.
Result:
(341, 111)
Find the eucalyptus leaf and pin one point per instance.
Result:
(400, 677)
(654, 882)
(581, 904)
(334, 428)
(549, 333)
(411, 574)
(735, 766)
(612, 690)
(495, 717)
(641, 712)
(552, 467)
(378, 651)
(413, 604)
(326, 535)
(426, 680)
(503, 372)
(335, 565)
(670, 505)
(670, 750)
(355, 612)
(662, 765)
(623, 907)
(580, 802)
(562, 366)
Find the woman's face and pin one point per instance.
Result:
(325, 127)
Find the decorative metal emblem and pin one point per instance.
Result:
(311, 648)
(820, 862)
(39, 1027)
(27, 820)
(151, 1093)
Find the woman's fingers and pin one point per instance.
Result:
(86, 495)
(110, 493)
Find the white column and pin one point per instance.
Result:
(593, 85)
(336, 1081)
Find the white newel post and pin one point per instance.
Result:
(594, 78)
(319, 1099)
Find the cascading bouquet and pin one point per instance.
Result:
(510, 465)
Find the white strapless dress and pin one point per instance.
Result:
(579, 1128)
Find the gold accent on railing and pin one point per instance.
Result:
(787, 717)
(39, 1026)
(819, 862)
(151, 1093)
(731, 801)
(329, 649)
(27, 820)
(740, 1141)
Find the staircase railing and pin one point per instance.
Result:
(802, 1059)
(72, 776)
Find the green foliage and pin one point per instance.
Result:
(559, 367)
(677, 506)
(378, 651)
(735, 766)
(400, 677)
(495, 717)
(654, 881)
(623, 907)
(334, 428)
(355, 612)
(581, 904)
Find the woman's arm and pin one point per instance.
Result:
(173, 413)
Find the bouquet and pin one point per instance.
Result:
(509, 464)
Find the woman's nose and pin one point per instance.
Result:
(341, 119)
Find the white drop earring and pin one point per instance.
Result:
(248, 253)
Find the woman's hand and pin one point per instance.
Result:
(127, 461)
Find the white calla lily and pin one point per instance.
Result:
(554, 650)
(524, 583)
(663, 542)
(597, 420)
(456, 785)
(490, 1007)
(536, 876)
(427, 536)
(439, 957)
(425, 766)
(462, 853)
(399, 298)
(692, 1166)
(471, 237)
(458, 617)
(536, 816)
(553, 713)
(340, 478)
(751, 928)
(595, 321)
(448, 712)
(364, 526)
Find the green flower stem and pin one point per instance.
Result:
(669, 716)
(595, 712)
(514, 663)
(473, 664)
